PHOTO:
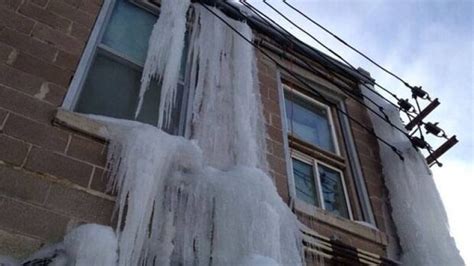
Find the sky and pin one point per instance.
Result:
(428, 43)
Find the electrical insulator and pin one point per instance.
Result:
(417, 91)
(432, 128)
(418, 142)
(405, 105)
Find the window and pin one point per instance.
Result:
(320, 185)
(310, 122)
(316, 161)
(112, 67)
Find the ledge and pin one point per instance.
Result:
(80, 123)
(360, 229)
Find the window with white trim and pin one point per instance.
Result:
(317, 163)
(108, 78)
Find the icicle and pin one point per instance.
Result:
(417, 209)
(226, 89)
(163, 62)
(142, 158)
(176, 210)
(205, 200)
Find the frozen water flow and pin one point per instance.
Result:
(257, 260)
(142, 159)
(91, 244)
(225, 93)
(418, 211)
(205, 199)
(88, 244)
(177, 210)
(8, 261)
(163, 60)
(201, 200)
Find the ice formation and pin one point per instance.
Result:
(204, 199)
(417, 209)
(225, 93)
(258, 260)
(91, 244)
(88, 244)
(178, 210)
(163, 60)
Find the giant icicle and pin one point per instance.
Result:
(206, 200)
(163, 60)
(226, 95)
(418, 211)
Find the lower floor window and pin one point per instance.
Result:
(110, 82)
(320, 185)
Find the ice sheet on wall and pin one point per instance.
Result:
(417, 209)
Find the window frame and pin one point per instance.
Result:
(88, 55)
(288, 90)
(297, 155)
(361, 205)
(94, 46)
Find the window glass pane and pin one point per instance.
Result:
(333, 191)
(111, 89)
(304, 182)
(128, 30)
(309, 123)
(112, 84)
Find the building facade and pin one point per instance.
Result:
(59, 58)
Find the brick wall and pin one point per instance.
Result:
(366, 147)
(50, 177)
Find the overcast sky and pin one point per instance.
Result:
(428, 43)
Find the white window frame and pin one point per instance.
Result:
(294, 92)
(317, 181)
(92, 47)
(87, 57)
(352, 163)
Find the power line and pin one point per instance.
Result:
(371, 131)
(417, 92)
(337, 55)
(348, 89)
(412, 88)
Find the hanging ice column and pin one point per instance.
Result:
(163, 61)
(205, 200)
(418, 211)
(226, 111)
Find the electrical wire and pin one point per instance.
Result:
(348, 45)
(334, 53)
(371, 131)
(407, 112)
(347, 90)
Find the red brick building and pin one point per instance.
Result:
(55, 53)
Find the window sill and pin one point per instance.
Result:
(357, 228)
(80, 123)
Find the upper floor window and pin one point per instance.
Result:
(310, 121)
(317, 183)
(109, 82)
